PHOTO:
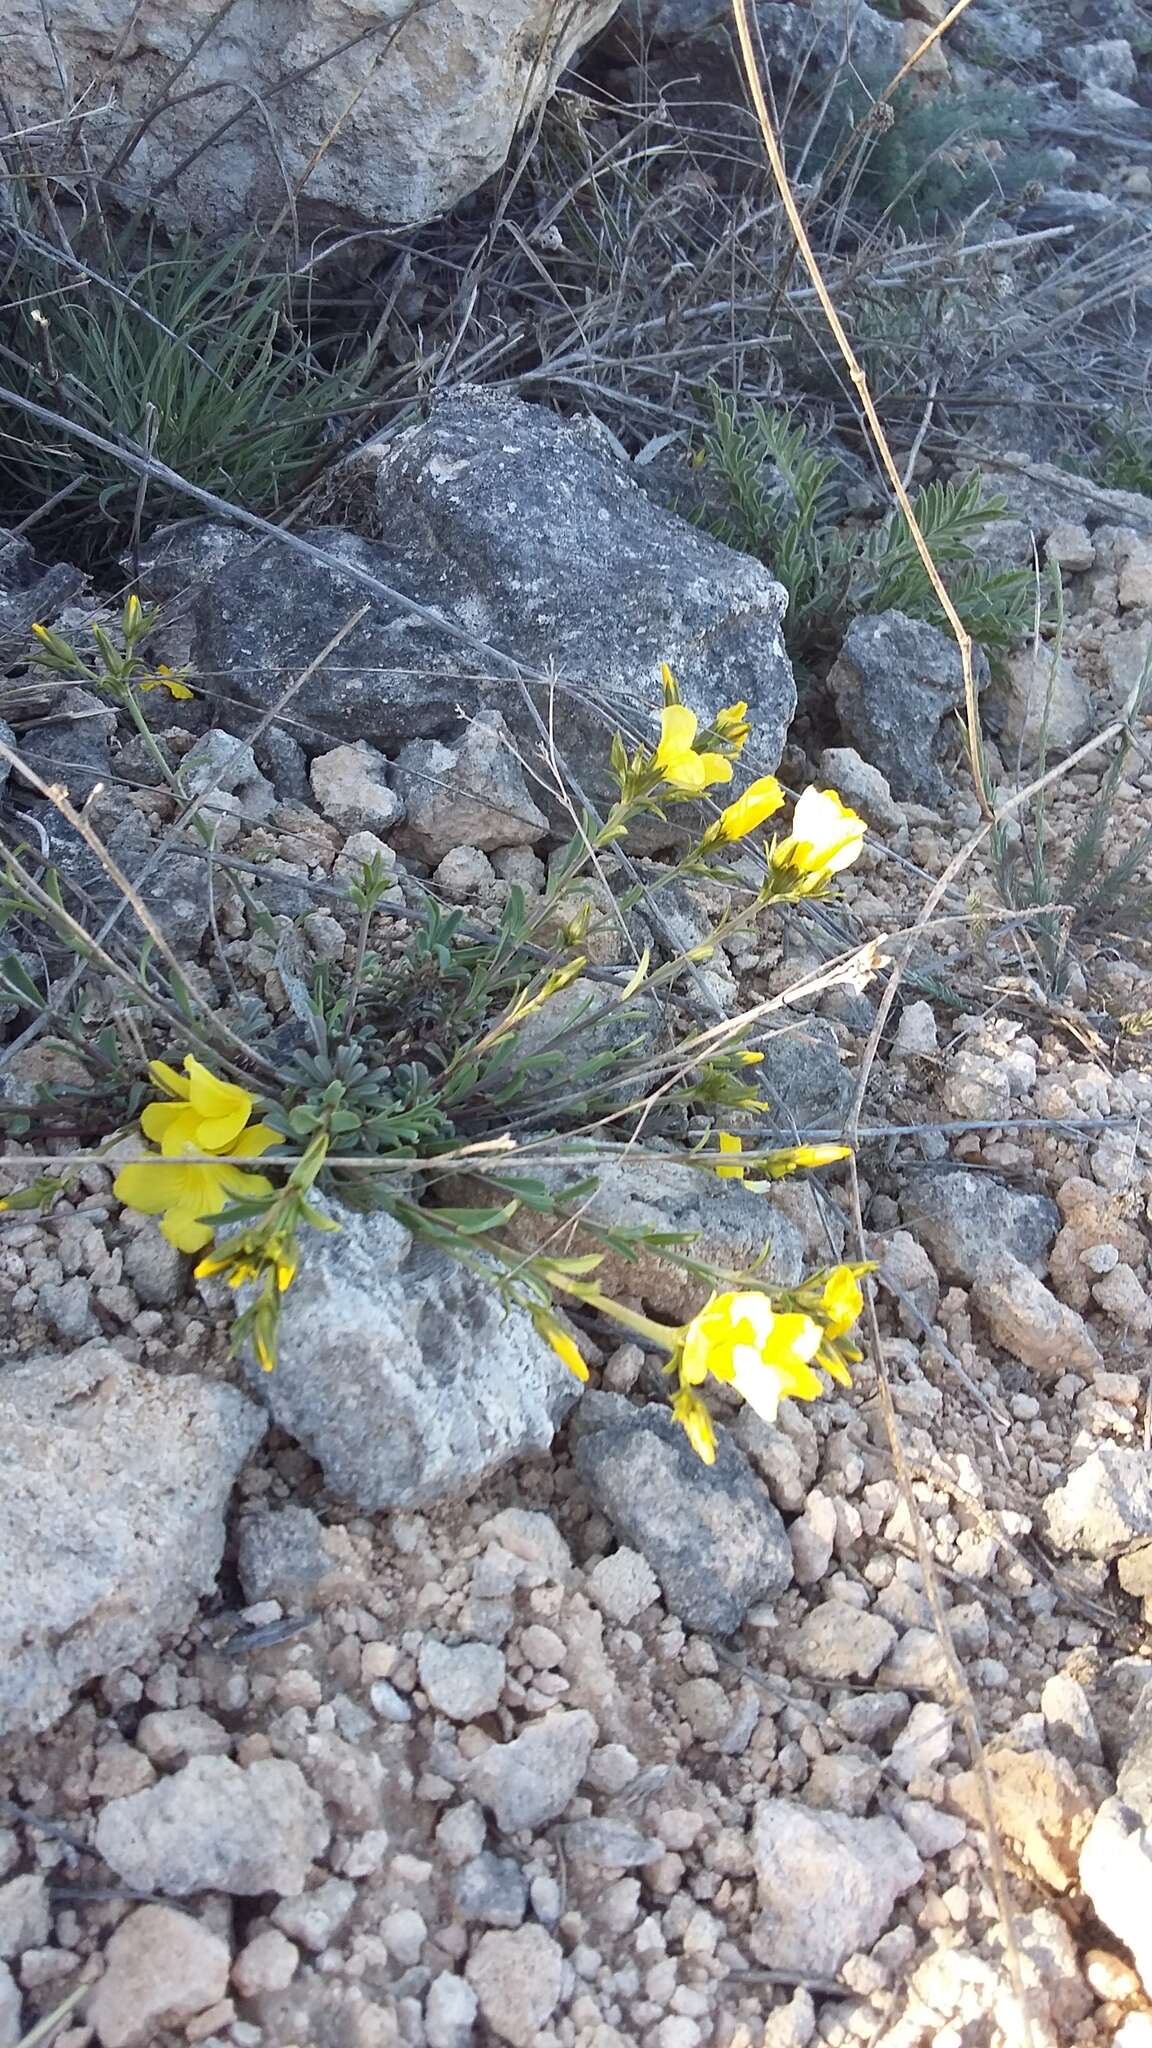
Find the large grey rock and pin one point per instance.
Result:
(959, 1217)
(722, 1222)
(709, 1532)
(528, 531)
(1038, 705)
(215, 1827)
(805, 1860)
(113, 1485)
(895, 681)
(341, 111)
(403, 1373)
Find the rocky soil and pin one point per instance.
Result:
(426, 1703)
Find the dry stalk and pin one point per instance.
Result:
(859, 379)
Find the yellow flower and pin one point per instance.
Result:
(758, 802)
(208, 1115)
(732, 726)
(841, 1301)
(826, 836)
(750, 1059)
(182, 1193)
(793, 1157)
(739, 1338)
(132, 614)
(689, 1411)
(286, 1264)
(263, 1351)
(675, 759)
(669, 685)
(562, 1344)
(164, 678)
(730, 1144)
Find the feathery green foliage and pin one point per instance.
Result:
(784, 505)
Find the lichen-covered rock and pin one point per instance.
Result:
(403, 1373)
(360, 110)
(113, 1485)
(528, 533)
(960, 1217)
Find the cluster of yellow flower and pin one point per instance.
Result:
(204, 1116)
(826, 836)
(741, 1340)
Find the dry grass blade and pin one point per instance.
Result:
(44, 2029)
(860, 383)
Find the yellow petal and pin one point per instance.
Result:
(565, 1349)
(158, 1118)
(167, 1078)
(730, 1144)
(148, 1186)
(219, 1133)
(211, 1097)
(677, 731)
(256, 1139)
(185, 1231)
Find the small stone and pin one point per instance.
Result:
(158, 1273)
(314, 1917)
(11, 2027)
(838, 1642)
(1105, 1507)
(461, 1831)
(287, 1554)
(529, 1781)
(929, 1830)
(449, 2012)
(862, 786)
(491, 1889)
(1040, 1806)
(623, 1585)
(267, 1963)
(542, 1647)
(811, 1538)
(792, 2025)
(805, 1858)
(1038, 701)
(1071, 546)
(610, 1844)
(364, 849)
(161, 1968)
(215, 1827)
(351, 787)
(917, 1661)
(463, 1683)
(405, 1932)
(916, 1033)
(1121, 1296)
(845, 1783)
(1029, 1322)
(177, 1733)
(24, 1918)
(710, 1532)
(517, 1977)
(471, 793)
(1116, 1875)
(923, 1743)
(464, 875)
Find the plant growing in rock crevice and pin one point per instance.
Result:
(784, 506)
(460, 1052)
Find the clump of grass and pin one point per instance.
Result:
(786, 508)
(199, 357)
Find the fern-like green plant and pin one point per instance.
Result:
(784, 506)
